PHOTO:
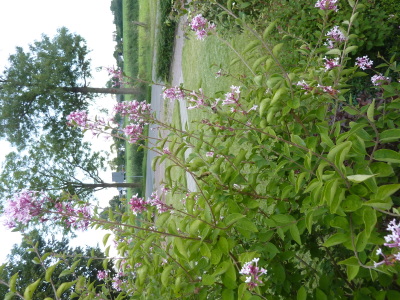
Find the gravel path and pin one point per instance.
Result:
(164, 111)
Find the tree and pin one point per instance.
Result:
(43, 85)
(50, 167)
(23, 260)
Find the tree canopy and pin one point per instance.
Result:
(23, 260)
(72, 167)
(42, 85)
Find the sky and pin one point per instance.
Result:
(24, 21)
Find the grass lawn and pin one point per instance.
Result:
(201, 60)
(138, 49)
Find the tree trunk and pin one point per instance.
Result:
(90, 90)
(110, 185)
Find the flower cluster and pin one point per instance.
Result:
(305, 86)
(327, 5)
(201, 26)
(173, 93)
(138, 113)
(117, 76)
(133, 132)
(156, 201)
(233, 96)
(327, 89)
(364, 62)
(134, 110)
(331, 63)
(197, 98)
(254, 272)
(77, 218)
(101, 275)
(139, 205)
(23, 207)
(392, 241)
(379, 79)
(79, 118)
(335, 35)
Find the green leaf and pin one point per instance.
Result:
(246, 224)
(208, 279)
(142, 274)
(370, 219)
(268, 30)
(359, 178)
(387, 156)
(222, 268)
(277, 48)
(352, 272)
(381, 204)
(232, 218)
(283, 219)
(361, 241)
(64, 273)
(50, 271)
(105, 238)
(352, 261)
(223, 245)
(334, 52)
(387, 190)
(9, 296)
(250, 46)
(350, 49)
(165, 275)
(390, 135)
(302, 293)
(28, 293)
(294, 232)
(370, 111)
(336, 239)
(12, 283)
(228, 294)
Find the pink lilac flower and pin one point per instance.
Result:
(174, 93)
(364, 62)
(201, 26)
(166, 150)
(78, 117)
(101, 275)
(327, 5)
(137, 204)
(77, 218)
(156, 201)
(133, 132)
(335, 35)
(305, 86)
(117, 283)
(251, 268)
(233, 96)
(331, 63)
(218, 74)
(328, 89)
(134, 110)
(210, 154)
(117, 75)
(379, 79)
(197, 98)
(23, 207)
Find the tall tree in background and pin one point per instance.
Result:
(23, 260)
(42, 86)
(46, 166)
